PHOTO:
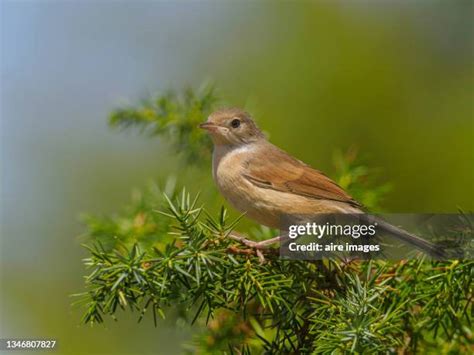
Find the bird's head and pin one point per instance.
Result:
(232, 126)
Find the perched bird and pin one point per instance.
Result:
(272, 187)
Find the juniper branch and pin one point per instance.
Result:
(181, 256)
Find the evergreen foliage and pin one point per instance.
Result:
(165, 251)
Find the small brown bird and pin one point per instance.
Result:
(271, 186)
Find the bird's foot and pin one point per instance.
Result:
(263, 244)
(257, 246)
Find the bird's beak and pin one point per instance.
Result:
(208, 126)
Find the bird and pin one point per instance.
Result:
(272, 187)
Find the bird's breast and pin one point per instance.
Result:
(229, 168)
(267, 206)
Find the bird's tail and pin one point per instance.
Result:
(433, 250)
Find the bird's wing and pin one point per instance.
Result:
(278, 171)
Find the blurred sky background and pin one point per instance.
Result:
(393, 78)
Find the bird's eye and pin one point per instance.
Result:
(235, 123)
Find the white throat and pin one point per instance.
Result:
(222, 152)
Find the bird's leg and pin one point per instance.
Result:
(258, 246)
(263, 244)
(241, 238)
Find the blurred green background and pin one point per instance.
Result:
(393, 78)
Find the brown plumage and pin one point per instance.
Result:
(284, 173)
